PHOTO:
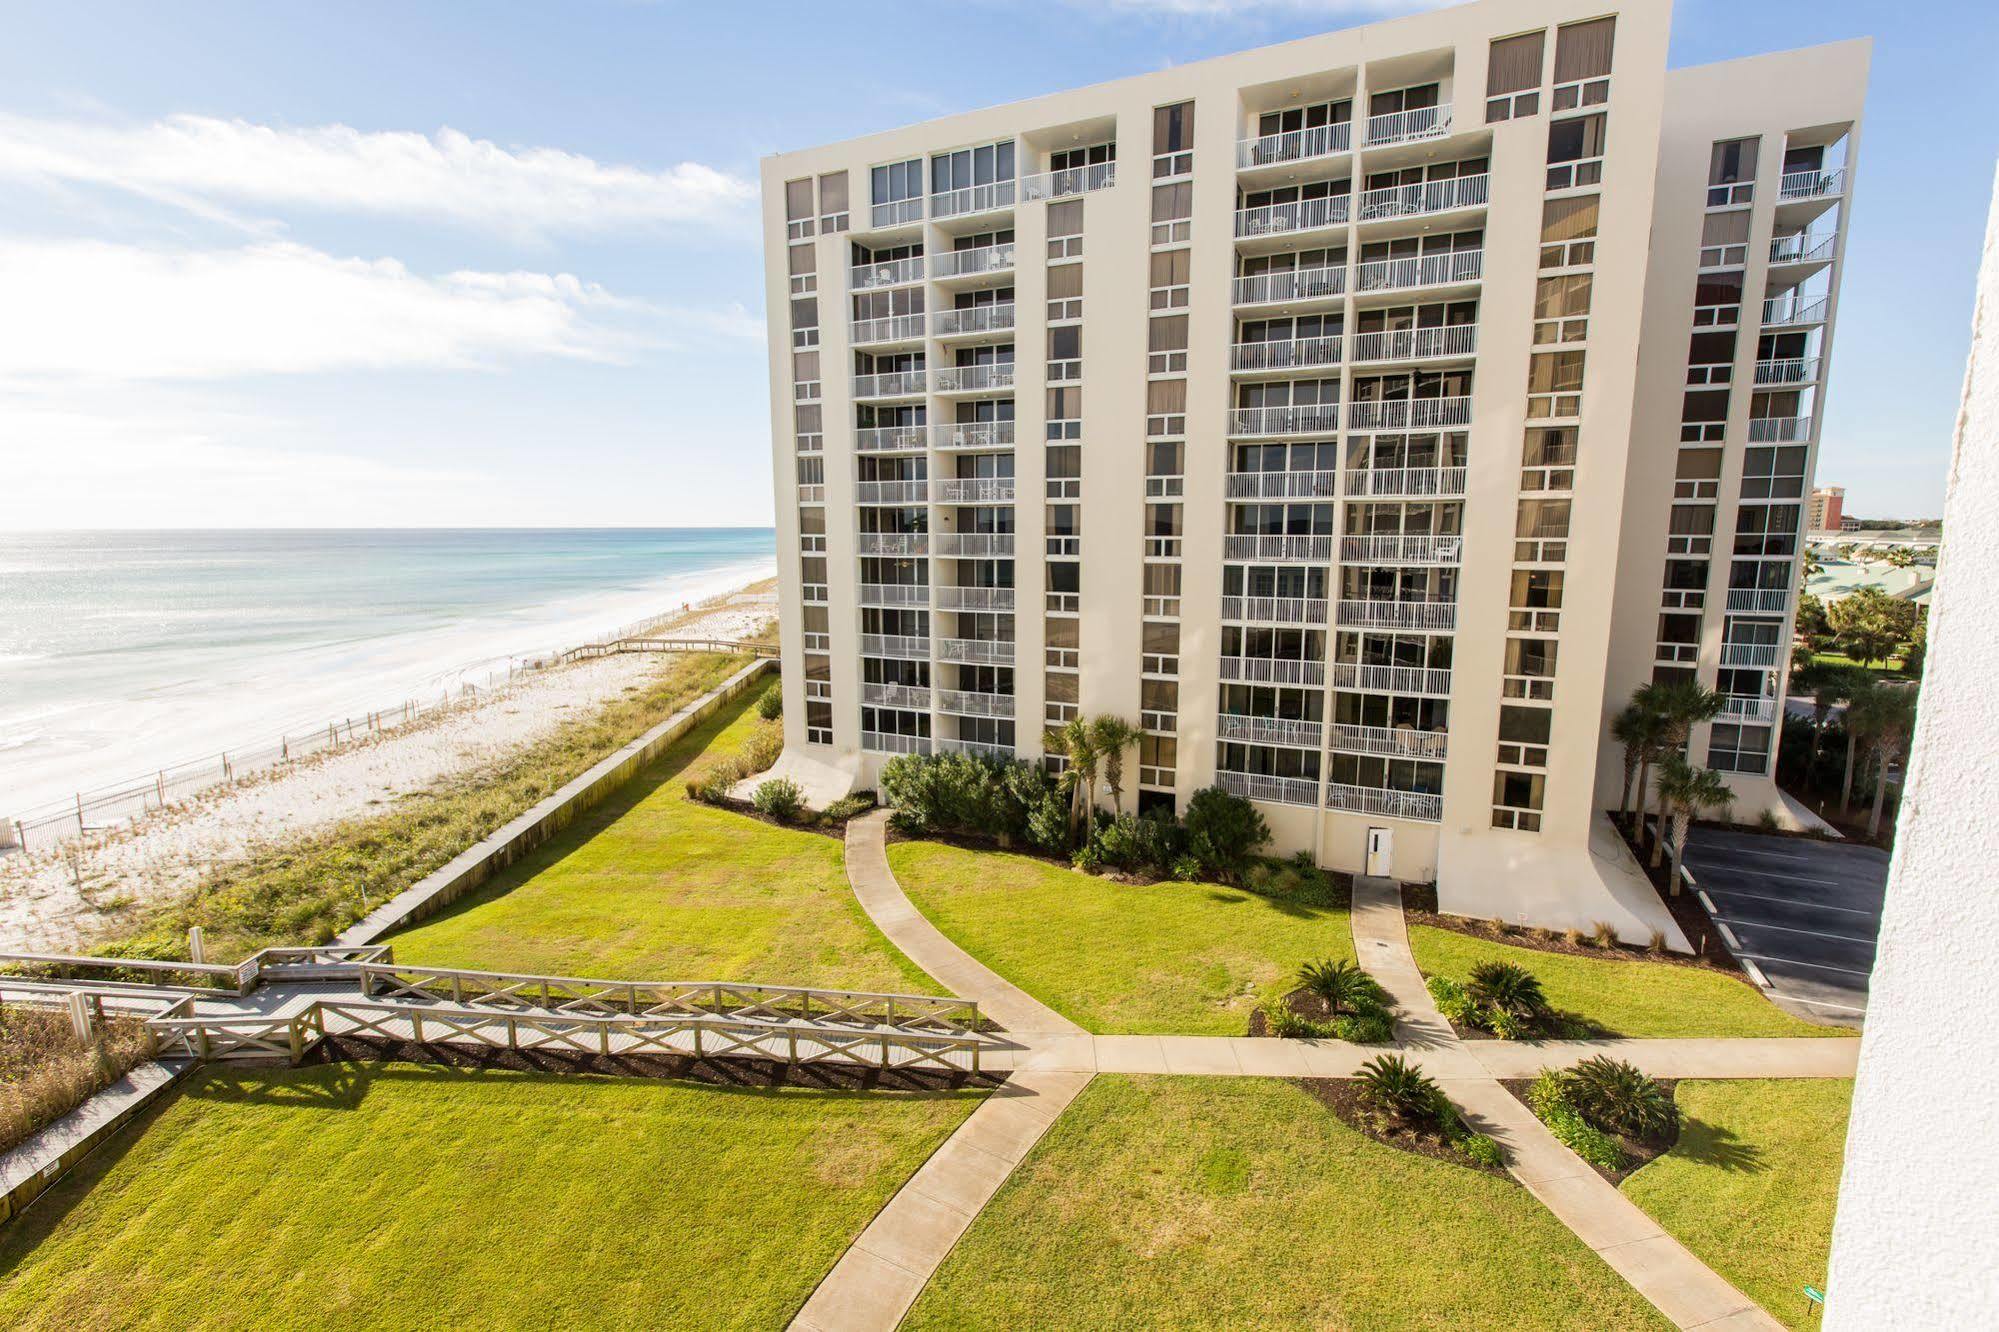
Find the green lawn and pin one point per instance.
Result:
(1750, 1186)
(650, 885)
(1187, 958)
(1630, 997)
(405, 1196)
(1162, 1202)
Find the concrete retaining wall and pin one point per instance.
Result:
(521, 835)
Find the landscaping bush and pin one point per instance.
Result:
(1341, 983)
(1548, 1098)
(1504, 990)
(1616, 1096)
(1604, 933)
(1186, 868)
(779, 798)
(1224, 831)
(1453, 1002)
(1115, 842)
(1480, 1149)
(1401, 1091)
(1290, 1025)
(976, 795)
(849, 807)
(1368, 1028)
(770, 704)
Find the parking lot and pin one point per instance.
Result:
(1805, 913)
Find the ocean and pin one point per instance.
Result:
(121, 652)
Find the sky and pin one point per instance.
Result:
(497, 264)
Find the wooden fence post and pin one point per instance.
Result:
(81, 1017)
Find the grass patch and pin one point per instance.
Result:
(305, 890)
(1627, 996)
(359, 1196)
(1750, 1186)
(1164, 1202)
(46, 1072)
(650, 885)
(1187, 958)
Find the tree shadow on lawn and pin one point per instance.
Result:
(1708, 1144)
(1297, 910)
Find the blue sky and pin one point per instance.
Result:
(375, 264)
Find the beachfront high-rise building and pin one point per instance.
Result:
(1363, 417)
(1827, 510)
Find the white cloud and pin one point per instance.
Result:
(206, 164)
(106, 311)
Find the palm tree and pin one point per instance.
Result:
(1680, 704)
(1688, 791)
(1859, 698)
(1341, 983)
(1887, 720)
(1506, 987)
(1080, 744)
(1637, 729)
(1111, 736)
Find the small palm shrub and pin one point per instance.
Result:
(1186, 868)
(1400, 1090)
(1615, 1095)
(1481, 1150)
(778, 798)
(770, 704)
(1373, 1028)
(1341, 983)
(1549, 1099)
(1507, 988)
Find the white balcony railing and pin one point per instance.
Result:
(1283, 485)
(1758, 600)
(1272, 731)
(889, 328)
(1293, 355)
(1748, 708)
(1403, 548)
(1275, 610)
(1391, 679)
(973, 545)
(892, 384)
(883, 742)
(888, 439)
(1789, 370)
(895, 594)
(1273, 670)
(1279, 549)
(1434, 616)
(1444, 268)
(962, 703)
(1405, 482)
(1786, 310)
(973, 378)
(975, 598)
(975, 651)
(1318, 418)
(1380, 800)
(1805, 247)
(1301, 284)
(973, 319)
(1409, 414)
(973, 199)
(1395, 741)
(1430, 196)
(901, 647)
(1779, 429)
(978, 259)
(891, 492)
(1069, 180)
(974, 490)
(952, 744)
(1423, 122)
(896, 212)
(1812, 184)
(1416, 344)
(972, 435)
(1750, 654)
(1299, 215)
(885, 273)
(892, 543)
(895, 695)
(1302, 145)
(1276, 790)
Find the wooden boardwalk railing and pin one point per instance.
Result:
(644, 643)
(268, 965)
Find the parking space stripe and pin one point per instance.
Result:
(1792, 929)
(1795, 962)
(1812, 906)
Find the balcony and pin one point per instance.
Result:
(1301, 215)
(1779, 429)
(973, 545)
(892, 543)
(1758, 600)
(888, 439)
(896, 213)
(915, 697)
(1303, 284)
(963, 704)
(973, 320)
(982, 748)
(1406, 483)
(1423, 616)
(1275, 790)
(975, 651)
(1271, 731)
(892, 384)
(1748, 708)
(1275, 610)
(1392, 741)
(891, 492)
(1409, 414)
(1430, 196)
(1278, 549)
(1068, 181)
(988, 198)
(1804, 247)
(1416, 344)
(1273, 670)
(1751, 654)
(1444, 269)
(1304, 145)
(1796, 185)
(1386, 803)
(975, 378)
(1790, 311)
(1392, 679)
(883, 742)
(895, 594)
(1283, 485)
(972, 435)
(973, 262)
(1316, 419)
(1790, 370)
(973, 490)
(888, 273)
(975, 598)
(1299, 354)
(1405, 548)
(899, 647)
(1412, 126)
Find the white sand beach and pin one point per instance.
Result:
(57, 899)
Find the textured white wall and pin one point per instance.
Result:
(1916, 1243)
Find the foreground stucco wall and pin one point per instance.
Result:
(1916, 1243)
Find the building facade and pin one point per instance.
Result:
(1828, 509)
(1358, 416)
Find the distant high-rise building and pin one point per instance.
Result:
(1827, 511)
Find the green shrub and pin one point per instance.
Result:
(1340, 983)
(712, 783)
(1186, 868)
(1088, 860)
(770, 704)
(1116, 843)
(778, 798)
(1506, 987)
(761, 750)
(1400, 1090)
(1617, 1096)
(1767, 821)
(1480, 1149)
(972, 794)
(1294, 1026)
(1453, 1002)
(1161, 841)
(1548, 1098)
(1224, 831)
(1373, 1028)
(1301, 860)
(849, 807)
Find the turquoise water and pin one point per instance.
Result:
(122, 651)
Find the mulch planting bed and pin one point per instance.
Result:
(1638, 1152)
(1342, 1096)
(1419, 905)
(1302, 1002)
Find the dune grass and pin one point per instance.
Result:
(1628, 996)
(416, 1196)
(46, 1072)
(1751, 1185)
(651, 885)
(1188, 958)
(1167, 1202)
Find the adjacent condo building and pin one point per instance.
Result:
(1363, 417)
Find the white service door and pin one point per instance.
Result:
(1380, 842)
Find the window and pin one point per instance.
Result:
(1166, 407)
(1065, 291)
(1548, 459)
(1166, 345)
(1725, 239)
(1160, 647)
(964, 171)
(1554, 384)
(805, 376)
(1568, 230)
(799, 259)
(1172, 140)
(1172, 211)
(1575, 151)
(1530, 668)
(1157, 757)
(1731, 173)
(1162, 589)
(1561, 308)
(1690, 529)
(1523, 735)
(1065, 229)
(833, 202)
(1064, 471)
(1170, 269)
(1774, 473)
(1513, 77)
(1165, 469)
(1582, 63)
(1065, 412)
(1541, 530)
(1159, 706)
(1697, 474)
(1732, 748)
(896, 193)
(1718, 299)
(1065, 352)
(1536, 602)
(1711, 357)
(798, 209)
(808, 428)
(1703, 416)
